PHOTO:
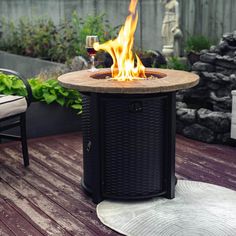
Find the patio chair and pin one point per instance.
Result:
(13, 114)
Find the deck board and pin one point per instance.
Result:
(18, 224)
(4, 230)
(214, 164)
(47, 198)
(44, 222)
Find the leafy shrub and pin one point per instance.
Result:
(175, 64)
(197, 43)
(43, 39)
(10, 84)
(30, 39)
(47, 91)
(50, 91)
(93, 25)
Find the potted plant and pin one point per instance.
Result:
(151, 58)
(54, 109)
(194, 45)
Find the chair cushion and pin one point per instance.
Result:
(12, 105)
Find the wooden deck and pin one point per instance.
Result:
(47, 199)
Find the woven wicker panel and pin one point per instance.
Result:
(133, 147)
(87, 137)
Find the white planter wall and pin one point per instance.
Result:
(27, 66)
(233, 126)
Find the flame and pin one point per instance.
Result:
(120, 49)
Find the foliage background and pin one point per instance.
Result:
(43, 39)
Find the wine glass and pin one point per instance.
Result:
(90, 40)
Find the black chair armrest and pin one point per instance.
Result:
(25, 81)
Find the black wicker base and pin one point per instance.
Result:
(129, 145)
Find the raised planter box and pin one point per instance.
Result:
(42, 119)
(233, 123)
(45, 120)
(26, 66)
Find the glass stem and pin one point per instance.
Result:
(93, 62)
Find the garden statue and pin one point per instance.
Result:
(171, 33)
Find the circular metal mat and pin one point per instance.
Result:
(198, 209)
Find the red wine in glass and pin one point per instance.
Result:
(90, 40)
(91, 51)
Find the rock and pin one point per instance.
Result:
(226, 79)
(226, 62)
(219, 96)
(193, 57)
(230, 38)
(214, 49)
(180, 105)
(186, 115)
(179, 127)
(223, 138)
(204, 51)
(219, 107)
(179, 97)
(216, 121)
(227, 36)
(211, 77)
(225, 71)
(157, 58)
(222, 95)
(226, 58)
(104, 59)
(213, 86)
(79, 63)
(233, 77)
(147, 60)
(201, 66)
(197, 94)
(220, 76)
(199, 132)
(221, 103)
(208, 57)
(223, 47)
(212, 96)
(222, 107)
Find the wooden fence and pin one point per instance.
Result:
(208, 17)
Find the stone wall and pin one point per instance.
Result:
(204, 112)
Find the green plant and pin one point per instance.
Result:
(10, 84)
(50, 91)
(27, 38)
(197, 43)
(43, 39)
(47, 91)
(175, 64)
(92, 25)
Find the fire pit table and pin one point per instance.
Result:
(128, 132)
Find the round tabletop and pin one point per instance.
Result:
(171, 80)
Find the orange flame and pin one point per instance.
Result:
(120, 49)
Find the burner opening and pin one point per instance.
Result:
(149, 74)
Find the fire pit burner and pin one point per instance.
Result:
(129, 133)
(106, 74)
